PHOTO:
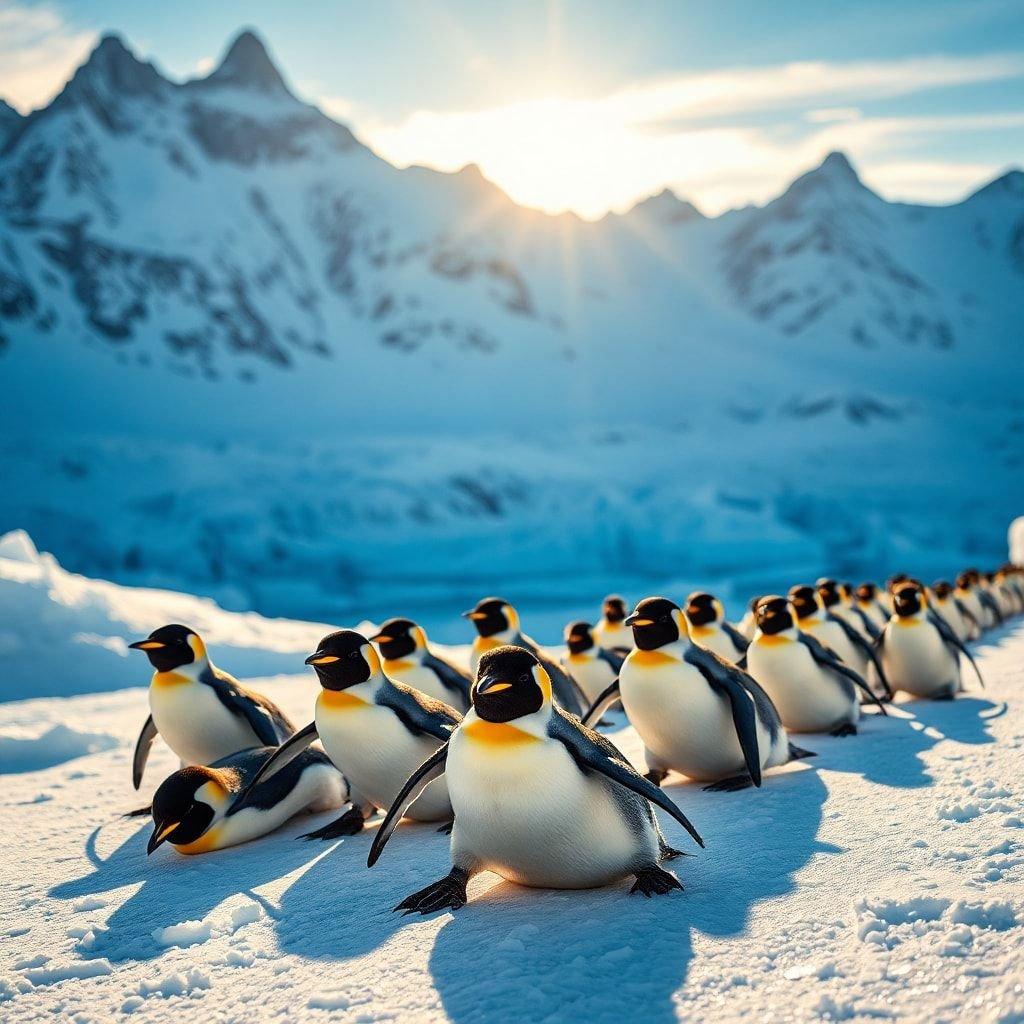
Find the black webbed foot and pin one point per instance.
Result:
(139, 812)
(655, 881)
(846, 729)
(446, 828)
(730, 785)
(447, 893)
(349, 824)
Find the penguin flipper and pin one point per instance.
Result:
(257, 711)
(592, 752)
(729, 681)
(865, 647)
(449, 675)
(739, 641)
(280, 758)
(143, 745)
(950, 639)
(828, 658)
(609, 696)
(420, 714)
(612, 658)
(431, 769)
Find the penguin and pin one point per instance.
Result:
(921, 652)
(539, 798)
(838, 599)
(812, 688)
(705, 618)
(990, 613)
(866, 599)
(376, 730)
(192, 808)
(592, 667)
(497, 623)
(834, 633)
(409, 659)
(696, 712)
(202, 713)
(610, 632)
(967, 595)
(945, 603)
(748, 624)
(860, 632)
(1005, 594)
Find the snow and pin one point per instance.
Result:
(883, 879)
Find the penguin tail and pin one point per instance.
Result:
(798, 753)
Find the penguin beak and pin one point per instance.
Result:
(381, 638)
(636, 620)
(492, 686)
(160, 835)
(576, 638)
(474, 615)
(147, 645)
(319, 658)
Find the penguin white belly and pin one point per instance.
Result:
(954, 619)
(423, 679)
(376, 753)
(319, 788)
(917, 661)
(683, 723)
(808, 699)
(610, 637)
(832, 635)
(717, 641)
(525, 810)
(195, 724)
(592, 675)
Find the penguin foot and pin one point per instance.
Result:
(846, 729)
(656, 775)
(446, 828)
(730, 785)
(655, 881)
(949, 695)
(349, 824)
(447, 893)
(139, 812)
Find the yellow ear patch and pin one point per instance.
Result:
(197, 645)
(543, 681)
(512, 616)
(420, 637)
(371, 659)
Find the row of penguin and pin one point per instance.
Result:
(508, 758)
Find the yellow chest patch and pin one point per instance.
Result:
(766, 640)
(651, 659)
(498, 734)
(398, 665)
(206, 842)
(808, 624)
(340, 700)
(170, 679)
(486, 643)
(578, 659)
(701, 631)
(907, 623)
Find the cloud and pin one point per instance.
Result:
(38, 53)
(205, 65)
(338, 107)
(829, 114)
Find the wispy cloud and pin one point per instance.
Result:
(38, 52)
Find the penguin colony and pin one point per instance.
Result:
(508, 761)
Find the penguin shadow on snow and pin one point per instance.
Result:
(177, 888)
(598, 954)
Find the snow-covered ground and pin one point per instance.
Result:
(883, 880)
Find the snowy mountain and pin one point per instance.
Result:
(242, 353)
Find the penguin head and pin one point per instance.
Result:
(703, 609)
(963, 581)
(613, 609)
(828, 591)
(510, 683)
(171, 647)
(657, 621)
(866, 592)
(908, 600)
(894, 581)
(578, 637)
(805, 601)
(344, 659)
(942, 589)
(400, 638)
(773, 614)
(187, 804)
(493, 615)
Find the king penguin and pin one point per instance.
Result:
(945, 603)
(409, 659)
(192, 808)
(610, 631)
(497, 624)
(865, 597)
(202, 713)
(705, 618)
(696, 713)
(592, 667)
(538, 798)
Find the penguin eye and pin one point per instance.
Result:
(525, 677)
(664, 618)
(353, 654)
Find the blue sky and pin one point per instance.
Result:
(590, 106)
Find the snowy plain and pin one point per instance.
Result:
(882, 880)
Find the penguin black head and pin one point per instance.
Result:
(963, 581)
(866, 592)
(614, 609)
(185, 805)
(701, 608)
(805, 600)
(492, 615)
(942, 588)
(578, 637)
(171, 647)
(656, 621)
(510, 683)
(828, 591)
(908, 599)
(773, 614)
(894, 581)
(344, 659)
(399, 638)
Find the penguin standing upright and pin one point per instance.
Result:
(865, 597)
(202, 713)
(409, 659)
(538, 798)
(591, 667)
(858, 650)
(945, 603)
(497, 624)
(707, 627)
(610, 631)
(375, 729)
(813, 689)
(973, 609)
(696, 713)
(193, 808)
(748, 624)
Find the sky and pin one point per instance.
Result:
(591, 106)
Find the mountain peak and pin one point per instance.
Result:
(838, 165)
(667, 208)
(113, 66)
(1010, 183)
(248, 65)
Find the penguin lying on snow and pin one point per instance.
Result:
(202, 713)
(611, 632)
(695, 712)
(591, 667)
(812, 688)
(408, 658)
(192, 808)
(375, 729)
(497, 623)
(705, 618)
(538, 797)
